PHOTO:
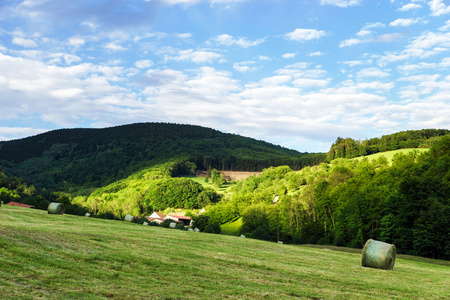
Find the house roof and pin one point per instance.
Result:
(154, 219)
(181, 217)
(12, 203)
(160, 215)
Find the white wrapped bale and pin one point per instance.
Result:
(55, 208)
(129, 218)
(378, 255)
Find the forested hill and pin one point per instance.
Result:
(66, 158)
(350, 148)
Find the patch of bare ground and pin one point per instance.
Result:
(231, 175)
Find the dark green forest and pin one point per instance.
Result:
(350, 148)
(68, 159)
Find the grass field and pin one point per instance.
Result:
(390, 154)
(70, 257)
(232, 228)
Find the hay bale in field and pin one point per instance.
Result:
(129, 218)
(87, 215)
(190, 229)
(145, 224)
(197, 230)
(56, 208)
(378, 255)
(172, 224)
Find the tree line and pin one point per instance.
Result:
(350, 148)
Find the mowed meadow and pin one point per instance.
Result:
(71, 257)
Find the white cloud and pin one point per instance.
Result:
(309, 82)
(301, 34)
(373, 25)
(8, 133)
(350, 42)
(195, 56)
(409, 6)
(76, 41)
(288, 55)
(372, 72)
(403, 22)
(184, 35)
(228, 40)
(364, 32)
(27, 43)
(438, 7)
(341, 3)
(245, 66)
(194, 2)
(114, 47)
(446, 27)
(318, 53)
(143, 64)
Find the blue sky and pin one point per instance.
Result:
(294, 73)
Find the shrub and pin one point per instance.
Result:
(213, 228)
(323, 241)
(166, 223)
(338, 241)
(299, 239)
(179, 226)
(354, 244)
(313, 239)
(262, 233)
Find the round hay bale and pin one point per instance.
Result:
(378, 255)
(129, 218)
(55, 208)
(172, 224)
(87, 215)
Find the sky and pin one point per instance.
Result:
(293, 73)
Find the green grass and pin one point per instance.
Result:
(70, 257)
(232, 228)
(390, 154)
(201, 180)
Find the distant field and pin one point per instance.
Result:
(390, 154)
(70, 257)
(232, 228)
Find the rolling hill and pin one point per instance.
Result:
(72, 158)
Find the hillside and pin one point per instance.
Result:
(74, 158)
(350, 148)
(71, 257)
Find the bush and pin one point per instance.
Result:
(213, 228)
(106, 215)
(179, 226)
(299, 239)
(313, 239)
(201, 222)
(338, 241)
(354, 244)
(262, 233)
(323, 241)
(166, 223)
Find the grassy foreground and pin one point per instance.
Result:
(72, 257)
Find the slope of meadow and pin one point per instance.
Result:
(73, 257)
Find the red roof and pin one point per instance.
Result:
(12, 203)
(181, 217)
